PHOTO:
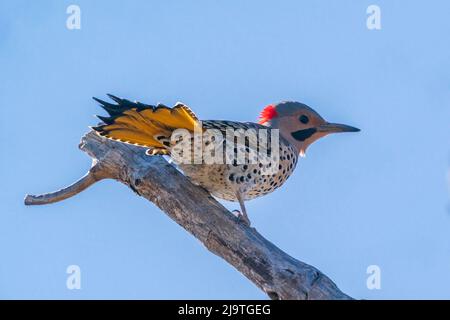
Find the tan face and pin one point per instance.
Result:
(301, 125)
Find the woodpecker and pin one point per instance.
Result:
(153, 127)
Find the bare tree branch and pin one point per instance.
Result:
(85, 182)
(279, 275)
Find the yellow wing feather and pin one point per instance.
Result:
(144, 125)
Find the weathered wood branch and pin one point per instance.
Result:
(279, 275)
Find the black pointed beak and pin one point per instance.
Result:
(336, 127)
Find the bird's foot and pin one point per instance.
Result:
(242, 218)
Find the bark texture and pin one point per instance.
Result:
(279, 275)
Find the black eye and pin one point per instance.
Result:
(303, 119)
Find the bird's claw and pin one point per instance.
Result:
(242, 218)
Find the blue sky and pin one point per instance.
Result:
(379, 197)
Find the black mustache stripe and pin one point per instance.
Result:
(302, 135)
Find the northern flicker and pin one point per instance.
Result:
(153, 127)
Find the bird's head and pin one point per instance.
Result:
(299, 124)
